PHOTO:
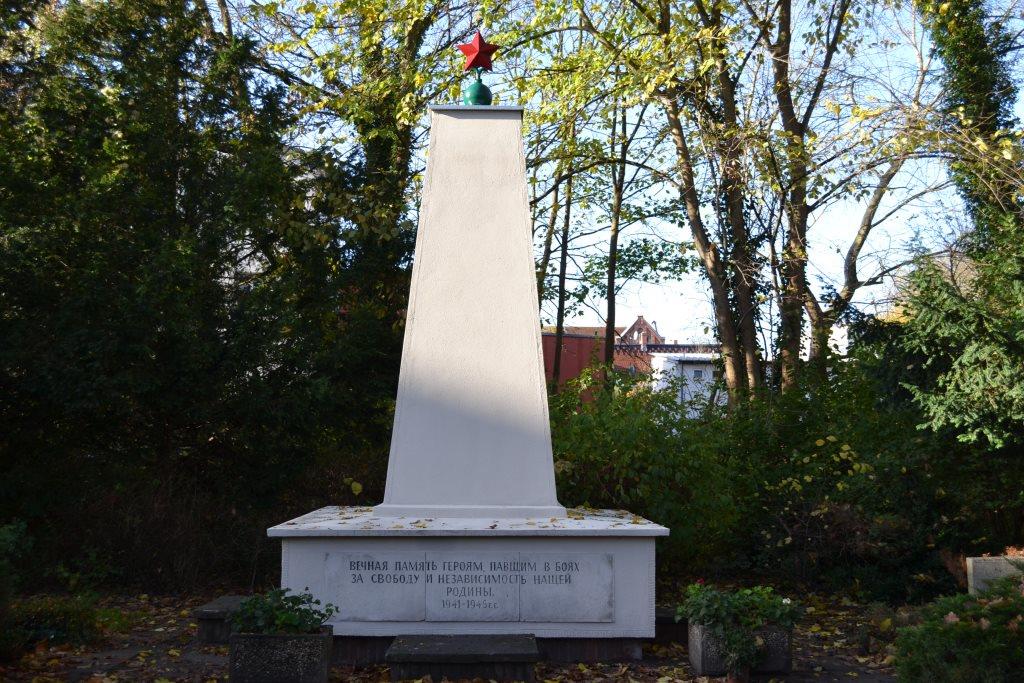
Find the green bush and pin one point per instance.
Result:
(276, 612)
(13, 539)
(178, 375)
(966, 638)
(58, 619)
(830, 483)
(12, 546)
(633, 448)
(733, 618)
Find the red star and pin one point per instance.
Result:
(478, 53)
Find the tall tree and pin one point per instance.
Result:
(758, 107)
(965, 316)
(171, 346)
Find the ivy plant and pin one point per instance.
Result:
(733, 619)
(277, 613)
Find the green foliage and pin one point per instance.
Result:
(277, 613)
(832, 484)
(13, 545)
(966, 316)
(836, 473)
(57, 619)
(642, 260)
(633, 448)
(979, 99)
(734, 617)
(116, 620)
(970, 326)
(191, 347)
(967, 639)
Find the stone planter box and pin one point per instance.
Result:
(260, 658)
(706, 652)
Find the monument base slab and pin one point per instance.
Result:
(588, 575)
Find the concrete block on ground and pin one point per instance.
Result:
(982, 571)
(456, 657)
(214, 619)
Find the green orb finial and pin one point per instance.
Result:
(477, 93)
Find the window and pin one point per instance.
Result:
(698, 374)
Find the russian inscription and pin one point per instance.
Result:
(377, 586)
(473, 587)
(417, 586)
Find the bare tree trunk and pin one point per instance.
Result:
(618, 187)
(822, 321)
(562, 267)
(714, 262)
(821, 329)
(549, 234)
(793, 263)
(225, 19)
(708, 251)
(743, 268)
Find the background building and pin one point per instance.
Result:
(640, 349)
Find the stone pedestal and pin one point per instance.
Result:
(590, 575)
(470, 537)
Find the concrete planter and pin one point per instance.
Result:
(706, 652)
(260, 658)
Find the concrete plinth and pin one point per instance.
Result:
(587, 575)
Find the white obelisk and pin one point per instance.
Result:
(471, 436)
(470, 538)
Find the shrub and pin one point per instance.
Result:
(58, 619)
(734, 617)
(276, 612)
(12, 545)
(822, 484)
(967, 639)
(630, 447)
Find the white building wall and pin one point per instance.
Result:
(695, 373)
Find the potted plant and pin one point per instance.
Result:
(735, 632)
(281, 638)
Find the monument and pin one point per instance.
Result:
(470, 537)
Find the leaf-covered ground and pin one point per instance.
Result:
(149, 638)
